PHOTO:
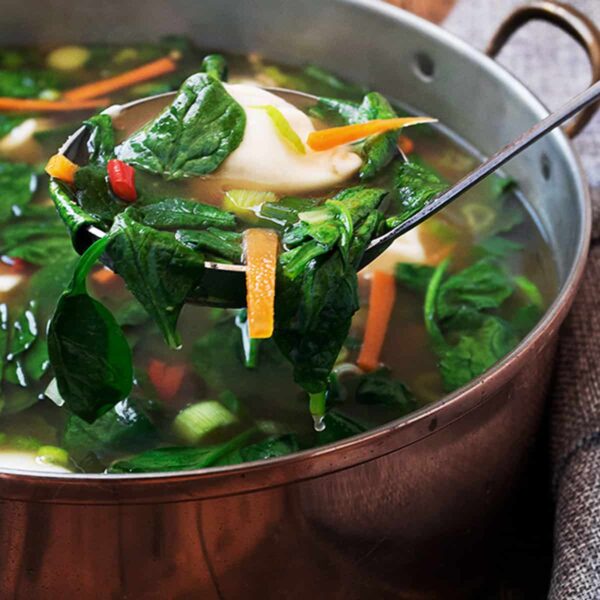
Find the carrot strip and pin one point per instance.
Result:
(261, 262)
(35, 105)
(151, 70)
(60, 167)
(166, 379)
(325, 139)
(103, 276)
(406, 145)
(381, 303)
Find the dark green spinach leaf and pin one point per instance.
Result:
(213, 241)
(89, 354)
(179, 459)
(178, 213)
(18, 182)
(125, 428)
(192, 136)
(215, 65)
(101, 141)
(94, 195)
(377, 151)
(159, 271)
(378, 388)
(27, 83)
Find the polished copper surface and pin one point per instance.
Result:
(573, 22)
(403, 511)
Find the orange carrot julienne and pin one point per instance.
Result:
(406, 145)
(103, 276)
(381, 303)
(261, 247)
(35, 105)
(325, 139)
(60, 167)
(166, 379)
(151, 70)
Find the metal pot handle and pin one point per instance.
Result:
(572, 22)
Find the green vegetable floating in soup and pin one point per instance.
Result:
(128, 378)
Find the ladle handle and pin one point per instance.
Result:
(567, 18)
(568, 110)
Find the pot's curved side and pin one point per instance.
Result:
(380, 526)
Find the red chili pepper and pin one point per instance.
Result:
(18, 265)
(122, 180)
(166, 379)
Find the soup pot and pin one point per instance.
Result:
(400, 511)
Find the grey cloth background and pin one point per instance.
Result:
(555, 68)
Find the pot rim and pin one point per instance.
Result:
(100, 488)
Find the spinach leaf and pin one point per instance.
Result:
(482, 338)
(175, 213)
(219, 359)
(477, 352)
(72, 215)
(338, 427)
(497, 247)
(379, 388)
(192, 136)
(272, 447)
(213, 241)
(101, 141)
(286, 210)
(317, 289)
(94, 195)
(313, 315)
(24, 331)
(377, 151)
(36, 236)
(125, 428)
(415, 185)
(483, 285)
(18, 182)
(414, 277)
(215, 65)
(27, 83)
(526, 318)
(179, 459)
(159, 271)
(88, 351)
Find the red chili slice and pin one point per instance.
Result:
(122, 180)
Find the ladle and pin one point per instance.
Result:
(229, 280)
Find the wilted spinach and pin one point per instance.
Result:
(462, 315)
(192, 136)
(159, 271)
(317, 283)
(18, 182)
(89, 354)
(124, 428)
(377, 151)
(215, 65)
(178, 458)
(178, 213)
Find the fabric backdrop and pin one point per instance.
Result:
(555, 68)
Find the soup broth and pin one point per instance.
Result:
(499, 279)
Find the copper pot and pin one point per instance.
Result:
(400, 511)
